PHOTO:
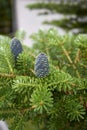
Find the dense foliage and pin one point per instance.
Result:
(54, 102)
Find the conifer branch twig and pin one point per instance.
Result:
(71, 62)
(7, 75)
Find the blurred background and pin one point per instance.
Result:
(32, 15)
(5, 16)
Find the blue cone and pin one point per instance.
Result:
(16, 47)
(41, 65)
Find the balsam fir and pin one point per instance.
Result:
(56, 102)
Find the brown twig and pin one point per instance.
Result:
(77, 59)
(7, 75)
(71, 62)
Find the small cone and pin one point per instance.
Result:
(16, 47)
(41, 65)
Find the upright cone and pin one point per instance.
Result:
(41, 65)
(16, 47)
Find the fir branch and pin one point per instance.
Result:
(57, 101)
(22, 83)
(6, 59)
(7, 75)
(85, 66)
(23, 110)
(9, 64)
(77, 58)
(16, 110)
(9, 111)
(71, 62)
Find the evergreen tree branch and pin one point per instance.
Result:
(7, 75)
(56, 101)
(71, 62)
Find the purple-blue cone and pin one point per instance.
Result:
(41, 67)
(16, 47)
